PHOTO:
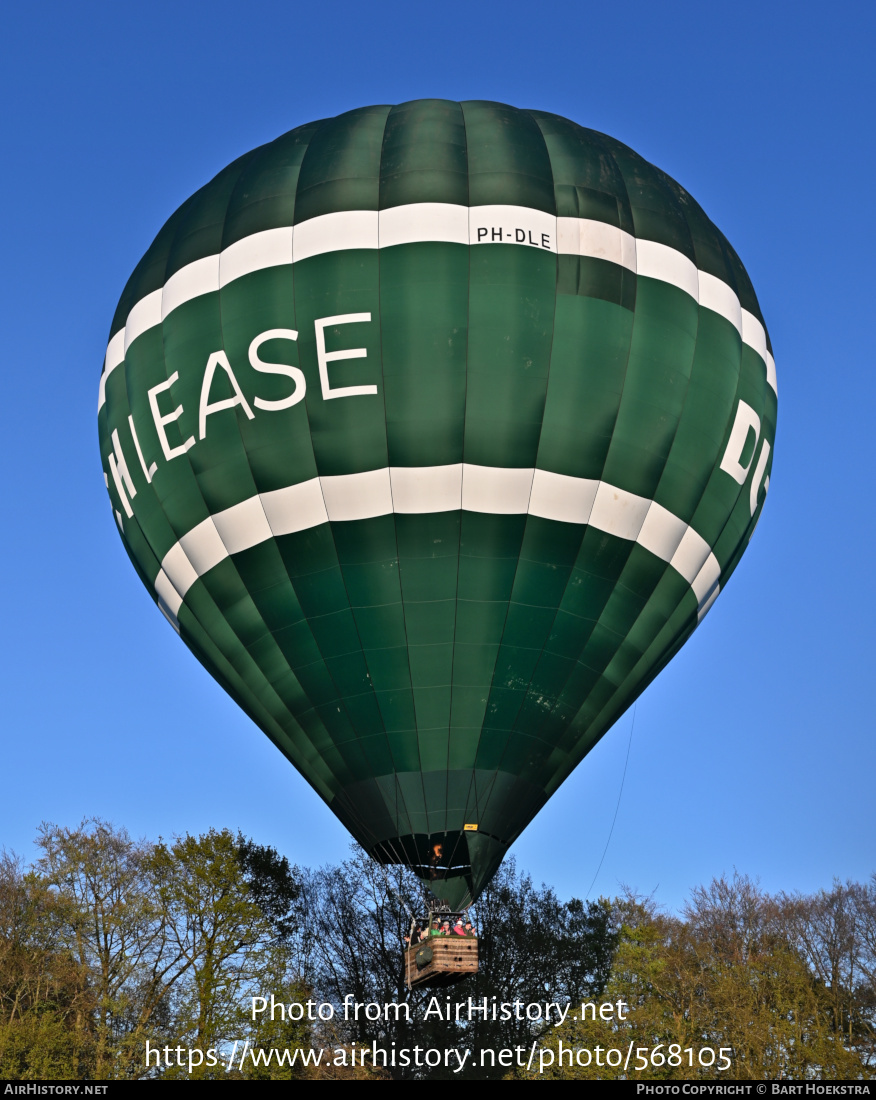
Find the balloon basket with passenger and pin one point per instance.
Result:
(441, 950)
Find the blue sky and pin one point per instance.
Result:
(755, 748)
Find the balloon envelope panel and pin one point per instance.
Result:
(435, 430)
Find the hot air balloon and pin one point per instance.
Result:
(435, 430)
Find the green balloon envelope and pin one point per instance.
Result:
(435, 430)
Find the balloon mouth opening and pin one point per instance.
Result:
(430, 852)
(446, 863)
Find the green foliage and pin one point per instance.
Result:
(110, 943)
(212, 922)
(724, 977)
(271, 884)
(44, 995)
(281, 1033)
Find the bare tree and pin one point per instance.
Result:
(533, 948)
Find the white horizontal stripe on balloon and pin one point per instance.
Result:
(420, 222)
(337, 232)
(496, 490)
(618, 513)
(145, 315)
(191, 281)
(598, 240)
(168, 596)
(244, 525)
(421, 490)
(171, 617)
(659, 261)
(691, 555)
(270, 248)
(706, 587)
(417, 490)
(203, 547)
(115, 356)
(563, 498)
(661, 532)
(178, 571)
(296, 508)
(357, 496)
(754, 335)
(423, 221)
(771, 373)
(512, 225)
(706, 606)
(717, 296)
